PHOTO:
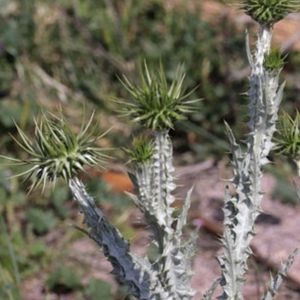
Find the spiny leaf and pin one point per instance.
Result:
(210, 292)
(276, 282)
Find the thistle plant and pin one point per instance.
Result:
(58, 152)
(265, 95)
(155, 104)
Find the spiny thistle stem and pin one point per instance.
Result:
(265, 95)
(163, 187)
(155, 185)
(163, 178)
(157, 105)
(256, 144)
(126, 268)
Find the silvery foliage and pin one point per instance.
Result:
(169, 276)
(128, 270)
(155, 184)
(242, 208)
(157, 105)
(57, 151)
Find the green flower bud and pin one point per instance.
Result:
(274, 61)
(142, 150)
(154, 103)
(287, 139)
(57, 151)
(268, 12)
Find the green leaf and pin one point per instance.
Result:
(9, 111)
(38, 249)
(18, 198)
(3, 196)
(41, 221)
(64, 280)
(98, 289)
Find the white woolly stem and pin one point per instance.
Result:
(175, 260)
(256, 93)
(241, 211)
(163, 178)
(146, 202)
(155, 184)
(163, 187)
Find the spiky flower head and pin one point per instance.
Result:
(142, 150)
(274, 61)
(57, 151)
(287, 139)
(268, 12)
(155, 103)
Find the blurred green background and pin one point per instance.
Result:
(69, 54)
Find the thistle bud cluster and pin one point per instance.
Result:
(269, 12)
